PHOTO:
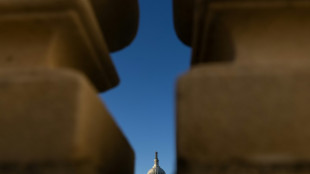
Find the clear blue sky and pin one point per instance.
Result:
(143, 104)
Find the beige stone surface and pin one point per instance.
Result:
(246, 31)
(118, 19)
(52, 121)
(55, 34)
(251, 32)
(248, 167)
(257, 114)
(54, 40)
(186, 12)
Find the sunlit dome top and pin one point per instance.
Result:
(156, 169)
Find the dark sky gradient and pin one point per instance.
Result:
(144, 102)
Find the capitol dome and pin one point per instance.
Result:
(156, 169)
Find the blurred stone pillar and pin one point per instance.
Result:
(54, 60)
(243, 106)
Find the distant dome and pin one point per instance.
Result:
(156, 169)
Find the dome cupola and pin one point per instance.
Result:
(156, 169)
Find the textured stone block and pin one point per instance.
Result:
(55, 34)
(245, 117)
(253, 31)
(188, 12)
(53, 122)
(118, 18)
(246, 31)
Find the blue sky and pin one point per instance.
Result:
(143, 104)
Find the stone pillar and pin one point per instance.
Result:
(243, 106)
(54, 60)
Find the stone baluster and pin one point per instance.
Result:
(54, 60)
(243, 106)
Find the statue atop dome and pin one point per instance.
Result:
(156, 169)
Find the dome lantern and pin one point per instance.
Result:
(156, 169)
